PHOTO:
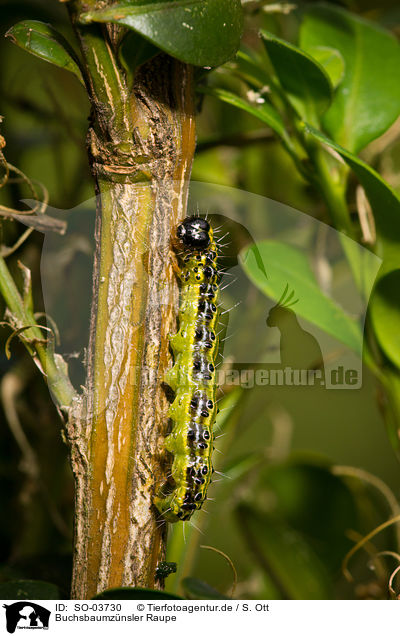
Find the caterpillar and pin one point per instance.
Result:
(193, 375)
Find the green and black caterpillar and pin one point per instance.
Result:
(193, 375)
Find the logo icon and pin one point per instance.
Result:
(299, 349)
(26, 615)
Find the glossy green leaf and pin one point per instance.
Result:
(385, 315)
(367, 101)
(42, 40)
(385, 202)
(21, 590)
(262, 110)
(135, 50)
(251, 70)
(200, 590)
(284, 555)
(126, 593)
(304, 80)
(199, 32)
(288, 265)
(331, 60)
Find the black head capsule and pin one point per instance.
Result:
(194, 232)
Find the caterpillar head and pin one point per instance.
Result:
(194, 233)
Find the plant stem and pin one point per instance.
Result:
(333, 190)
(141, 145)
(33, 338)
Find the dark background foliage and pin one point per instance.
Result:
(286, 522)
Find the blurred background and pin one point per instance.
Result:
(306, 471)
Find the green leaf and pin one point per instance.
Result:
(241, 465)
(200, 590)
(199, 32)
(385, 315)
(126, 593)
(284, 555)
(306, 82)
(331, 60)
(228, 408)
(165, 569)
(263, 110)
(251, 69)
(288, 265)
(367, 101)
(384, 201)
(38, 590)
(135, 51)
(42, 40)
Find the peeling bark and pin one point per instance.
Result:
(141, 145)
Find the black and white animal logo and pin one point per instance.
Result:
(26, 615)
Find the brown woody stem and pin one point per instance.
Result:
(141, 145)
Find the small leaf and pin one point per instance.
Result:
(331, 60)
(200, 590)
(367, 100)
(165, 569)
(251, 69)
(288, 265)
(263, 111)
(42, 40)
(25, 589)
(135, 51)
(385, 315)
(127, 593)
(307, 84)
(199, 32)
(228, 409)
(384, 201)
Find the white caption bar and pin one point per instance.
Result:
(194, 617)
